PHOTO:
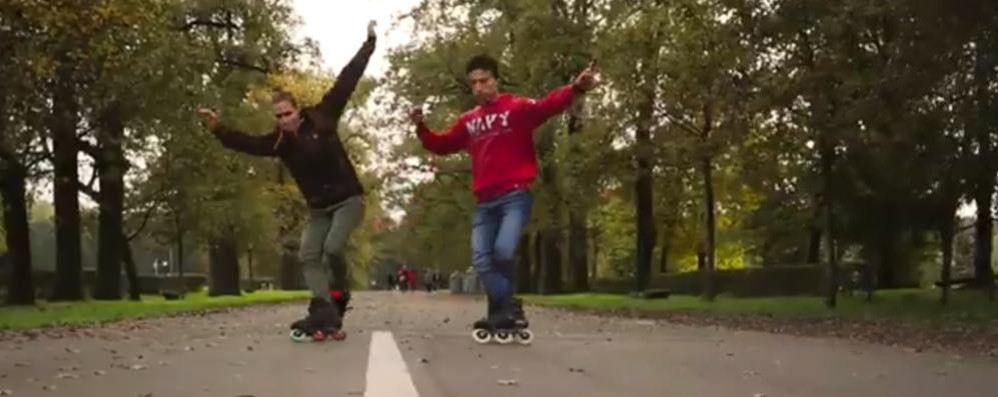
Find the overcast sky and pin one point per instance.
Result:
(341, 28)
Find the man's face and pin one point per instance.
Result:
(286, 116)
(483, 84)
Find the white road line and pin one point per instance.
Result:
(387, 374)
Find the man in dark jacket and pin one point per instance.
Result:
(307, 142)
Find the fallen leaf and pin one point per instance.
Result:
(99, 372)
(249, 348)
(137, 367)
(758, 395)
(48, 387)
(424, 360)
(72, 350)
(6, 392)
(507, 382)
(67, 376)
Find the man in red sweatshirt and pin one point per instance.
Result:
(498, 135)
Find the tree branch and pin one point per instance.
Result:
(92, 150)
(243, 65)
(207, 23)
(88, 189)
(145, 221)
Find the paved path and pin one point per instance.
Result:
(407, 345)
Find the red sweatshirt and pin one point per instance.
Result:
(499, 137)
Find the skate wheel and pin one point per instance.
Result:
(318, 336)
(338, 335)
(525, 336)
(298, 335)
(504, 337)
(481, 335)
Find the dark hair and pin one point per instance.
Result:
(483, 62)
(279, 95)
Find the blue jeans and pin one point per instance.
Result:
(495, 235)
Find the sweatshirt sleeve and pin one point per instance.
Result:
(335, 100)
(259, 145)
(452, 141)
(556, 101)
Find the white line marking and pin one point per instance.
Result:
(387, 375)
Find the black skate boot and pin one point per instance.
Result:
(519, 316)
(323, 320)
(503, 325)
(483, 323)
(341, 298)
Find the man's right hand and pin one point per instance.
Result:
(209, 117)
(416, 115)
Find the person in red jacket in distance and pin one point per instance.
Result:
(498, 135)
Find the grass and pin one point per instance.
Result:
(919, 307)
(66, 313)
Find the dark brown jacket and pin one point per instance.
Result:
(315, 155)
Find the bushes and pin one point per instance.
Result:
(761, 281)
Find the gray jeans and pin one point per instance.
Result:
(322, 244)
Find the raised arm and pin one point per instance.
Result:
(259, 145)
(556, 101)
(335, 100)
(559, 99)
(452, 141)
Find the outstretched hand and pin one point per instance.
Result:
(416, 115)
(370, 29)
(209, 117)
(586, 80)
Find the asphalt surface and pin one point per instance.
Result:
(417, 344)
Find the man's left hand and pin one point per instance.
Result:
(586, 80)
(370, 29)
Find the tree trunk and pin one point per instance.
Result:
(134, 290)
(663, 259)
(68, 285)
(985, 178)
(20, 288)
(578, 242)
(551, 268)
(706, 169)
(538, 253)
(224, 267)
(946, 232)
(182, 283)
(111, 167)
(815, 235)
(551, 277)
(578, 250)
(595, 262)
(523, 276)
(643, 203)
(832, 284)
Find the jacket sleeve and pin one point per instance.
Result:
(556, 101)
(258, 145)
(452, 141)
(335, 100)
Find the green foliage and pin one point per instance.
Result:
(77, 313)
